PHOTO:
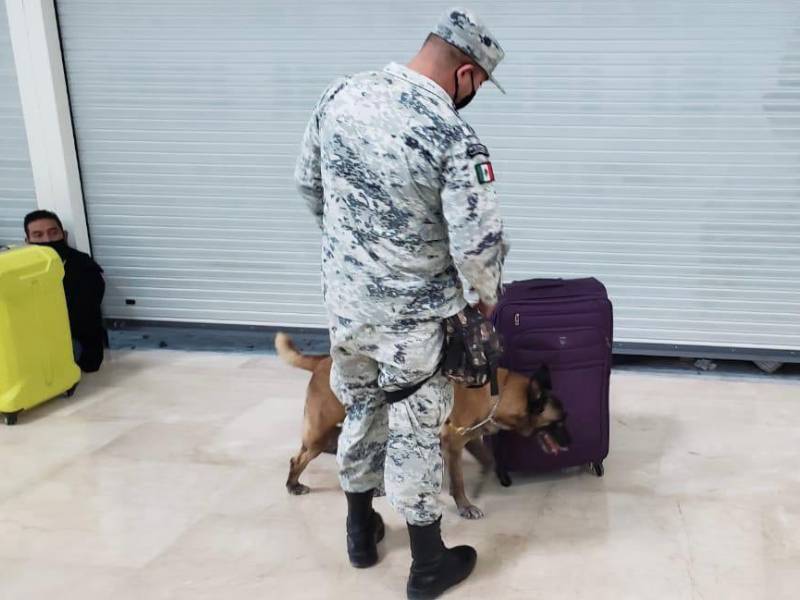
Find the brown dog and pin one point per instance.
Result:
(468, 422)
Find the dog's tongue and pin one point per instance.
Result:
(548, 444)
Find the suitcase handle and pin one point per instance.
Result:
(538, 284)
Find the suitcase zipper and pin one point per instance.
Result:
(498, 316)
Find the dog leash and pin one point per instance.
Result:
(494, 389)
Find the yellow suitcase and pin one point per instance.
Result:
(36, 360)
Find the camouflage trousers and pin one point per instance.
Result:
(393, 447)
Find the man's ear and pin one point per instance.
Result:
(465, 70)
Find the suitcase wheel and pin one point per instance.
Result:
(598, 468)
(71, 391)
(11, 418)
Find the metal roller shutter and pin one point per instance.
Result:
(654, 145)
(17, 195)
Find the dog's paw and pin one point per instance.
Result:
(470, 512)
(298, 489)
(504, 478)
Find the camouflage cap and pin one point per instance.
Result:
(465, 31)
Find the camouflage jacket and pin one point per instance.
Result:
(402, 189)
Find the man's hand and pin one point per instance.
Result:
(485, 309)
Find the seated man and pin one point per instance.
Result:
(84, 288)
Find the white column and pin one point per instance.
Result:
(43, 90)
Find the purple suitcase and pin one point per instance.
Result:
(566, 326)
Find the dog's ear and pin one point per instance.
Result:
(534, 390)
(542, 377)
(535, 398)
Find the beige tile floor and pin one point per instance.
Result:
(163, 478)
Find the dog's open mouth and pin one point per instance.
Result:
(549, 444)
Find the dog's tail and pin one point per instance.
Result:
(292, 356)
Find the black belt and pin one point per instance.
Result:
(458, 362)
(405, 392)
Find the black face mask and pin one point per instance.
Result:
(59, 246)
(459, 104)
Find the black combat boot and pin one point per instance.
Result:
(434, 568)
(364, 530)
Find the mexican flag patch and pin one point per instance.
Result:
(485, 172)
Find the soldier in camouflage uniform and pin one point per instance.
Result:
(402, 189)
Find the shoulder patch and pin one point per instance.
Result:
(485, 172)
(474, 150)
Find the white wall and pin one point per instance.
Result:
(17, 196)
(37, 53)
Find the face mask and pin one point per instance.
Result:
(59, 246)
(468, 98)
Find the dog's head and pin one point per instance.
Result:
(547, 417)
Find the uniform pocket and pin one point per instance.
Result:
(433, 232)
